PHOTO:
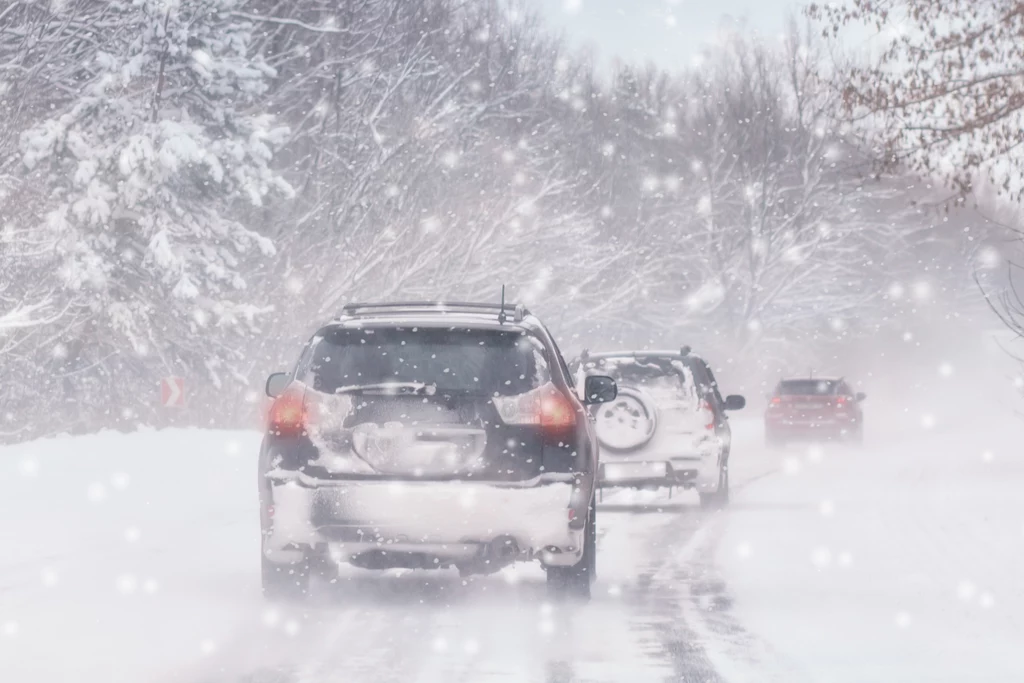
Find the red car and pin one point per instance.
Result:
(814, 409)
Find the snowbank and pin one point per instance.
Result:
(896, 563)
(124, 554)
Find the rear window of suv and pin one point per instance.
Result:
(460, 360)
(806, 387)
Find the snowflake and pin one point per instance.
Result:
(49, 577)
(927, 421)
(29, 467)
(704, 205)
(11, 628)
(546, 626)
(922, 290)
(845, 559)
(440, 644)
(607, 149)
(821, 557)
(132, 534)
(791, 465)
(615, 590)
(96, 492)
(471, 646)
(293, 284)
(119, 481)
(207, 647)
(827, 508)
(987, 456)
(572, 6)
(450, 159)
(744, 550)
(126, 584)
(150, 586)
(291, 627)
(902, 619)
(946, 370)
(430, 224)
(896, 291)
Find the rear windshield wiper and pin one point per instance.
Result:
(386, 388)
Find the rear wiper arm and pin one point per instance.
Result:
(417, 388)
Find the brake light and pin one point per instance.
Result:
(545, 406)
(711, 415)
(776, 400)
(289, 414)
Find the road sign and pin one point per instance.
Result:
(172, 392)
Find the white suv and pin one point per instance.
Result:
(668, 425)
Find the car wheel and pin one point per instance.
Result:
(720, 498)
(285, 581)
(574, 581)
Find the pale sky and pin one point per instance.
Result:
(666, 32)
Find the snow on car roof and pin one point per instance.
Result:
(436, 319)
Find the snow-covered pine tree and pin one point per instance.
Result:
(147, 168)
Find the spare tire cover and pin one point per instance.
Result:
(628, 422)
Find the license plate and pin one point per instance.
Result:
(631, 471)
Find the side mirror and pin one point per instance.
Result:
(277, 383)
(860, 396)
(599, 389)
(735, 402)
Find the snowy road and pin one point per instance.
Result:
(137, 572)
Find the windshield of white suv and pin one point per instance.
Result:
(477, 361)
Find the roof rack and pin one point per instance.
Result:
(519, 311)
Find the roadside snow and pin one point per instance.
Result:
(124, 554)
(894, 563)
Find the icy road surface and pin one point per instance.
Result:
(134, 558)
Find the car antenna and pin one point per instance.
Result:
(501, 312)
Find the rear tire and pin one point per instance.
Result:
(720, 498)
(574, 581)
(285, 582)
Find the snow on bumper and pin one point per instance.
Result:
(698, 470)
(453, 520)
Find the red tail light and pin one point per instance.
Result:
(557, 412)
(545, 406)
(711, 415)
(289, 414)
(776, 400)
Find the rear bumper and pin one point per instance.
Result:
(451, 522)
(795, 428)
(698, 472)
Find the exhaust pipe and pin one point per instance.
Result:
(504, 549)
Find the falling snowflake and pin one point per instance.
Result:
(126, 584)
(966, 590)
(744, 550)
(207, 647)
(902, 619)
(946, 370)
(471, 647)
(987, 456)
(49, 577)
(827, 508)
(927, 421)
(821, 557)
(132, 534)
(150, 586)
(440, 644)
(96, 492)
(11, 628)
(120, 480)
(791, 465)
(29, 467)
(704, 205)
(291, 627)
(572, 6)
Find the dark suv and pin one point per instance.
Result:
(429, 435)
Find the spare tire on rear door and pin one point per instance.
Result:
(628, 422)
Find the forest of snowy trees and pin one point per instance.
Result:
(187, 187)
